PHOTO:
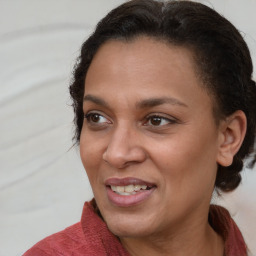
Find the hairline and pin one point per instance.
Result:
(204, 83)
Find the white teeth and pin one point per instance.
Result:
(143, 186)
(128, 190)
(113, 188)
(137, 187)
(119, 189)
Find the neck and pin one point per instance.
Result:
(196, 240)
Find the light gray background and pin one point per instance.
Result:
(43, 184)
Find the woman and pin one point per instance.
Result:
(164, 114)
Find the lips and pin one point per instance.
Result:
(128, 191)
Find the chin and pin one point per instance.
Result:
(129, 232)
(129, 226)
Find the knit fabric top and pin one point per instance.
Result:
(91, 236)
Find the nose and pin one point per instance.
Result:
(124, 149)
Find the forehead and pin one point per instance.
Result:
(144, 67)
(142, 54)
(141, 49)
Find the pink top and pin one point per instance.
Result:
(91, 237)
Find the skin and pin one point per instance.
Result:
(179, 153)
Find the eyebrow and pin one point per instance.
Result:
(96, 100)
(147, 103)
(153, 102)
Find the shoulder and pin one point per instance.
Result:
(89, 237)
(224, 225)
(63, 243)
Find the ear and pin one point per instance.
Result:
(232, 133)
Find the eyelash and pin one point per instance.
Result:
(90, 115)
(161, 118)
(168, 121)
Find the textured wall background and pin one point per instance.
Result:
(43, 184)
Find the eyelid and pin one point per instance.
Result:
(162, 115)
(96, 112)
(169, 119)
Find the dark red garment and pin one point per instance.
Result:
(91, 237)
(223, 224)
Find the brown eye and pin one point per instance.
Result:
(155, 120)
(95, 118)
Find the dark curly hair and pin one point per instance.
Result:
(221, 56)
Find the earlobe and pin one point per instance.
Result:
(232, 133)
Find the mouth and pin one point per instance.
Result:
(128, 191)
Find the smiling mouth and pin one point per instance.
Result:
(129, 190)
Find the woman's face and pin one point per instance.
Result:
(149, 141)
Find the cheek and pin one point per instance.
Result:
(90, 153)
(187, 177)
(187, 159)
